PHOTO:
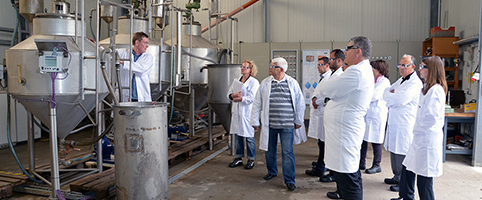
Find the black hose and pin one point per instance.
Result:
(97, 138)
(220, 56)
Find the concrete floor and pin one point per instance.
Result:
(215, 180)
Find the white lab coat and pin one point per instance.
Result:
(402, 110)
(241, 111)
(141, 69)
(376, 118)
(425, 155)
(350, 95)
(261, 110)
(316, 129)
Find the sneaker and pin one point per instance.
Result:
(373, 170)
(236, 162)
(327, 178)
(249, 165)
(313, 172)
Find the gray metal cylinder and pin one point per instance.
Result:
(28, 8)
(141, 170)
(107, 13)
(158, 10)
(55, 24)
(60, 7)
(140, 24)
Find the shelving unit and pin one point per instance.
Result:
(444, 48)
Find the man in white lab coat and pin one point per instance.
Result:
(402, 100)
(141, 67)
(279, 106)
(316, 129)
(350, 95)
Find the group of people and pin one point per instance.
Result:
(353, 105)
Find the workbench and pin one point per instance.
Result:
(457, 117)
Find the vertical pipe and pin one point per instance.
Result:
(178, 56)
(192, 113)
(149, 18)
(477, 149)
(97, 86)
(75, 20)
(54, 162)
(232, 40)
(100, 128)
(131, 57)
(82, 40)
(31, 144)
(210, 127)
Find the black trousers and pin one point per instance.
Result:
(349, 185)
(396, 161)
(377, 154)
(407, 184)
(320, 164)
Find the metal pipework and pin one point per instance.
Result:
(107, 13)
(54, 164)
(104, 72)
(177, 81)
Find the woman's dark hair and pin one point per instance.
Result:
(381, 66)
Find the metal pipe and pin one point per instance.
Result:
(79, 177)
(54, 164)
(75, 20)
(31, 144)
(232, 40)
(42, 178)
(178, 49)
(234, 12)
(131, 57)
(149, 18)
(210, 127)
(87, 113)
(192, 113)
(100, 128)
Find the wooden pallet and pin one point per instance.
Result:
(181, 151)
(8, 181)
(98, 185)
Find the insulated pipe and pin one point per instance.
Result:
(236, 11)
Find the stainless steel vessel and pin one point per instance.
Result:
(160, 74)
(141, 170)
(34, 89)
(28, 8)
(221, 77)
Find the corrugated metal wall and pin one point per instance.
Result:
(328, 20)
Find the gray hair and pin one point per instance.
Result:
(414, 62)
(364, 44)
(281, 62)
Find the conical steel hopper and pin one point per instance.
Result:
(73, 90)
(220, 78)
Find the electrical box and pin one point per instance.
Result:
(291, 56)
(49, 63)
(51, 55)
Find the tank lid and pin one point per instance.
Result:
(56, 16)
(196, 28)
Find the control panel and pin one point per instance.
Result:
(291, 56)
(49, 63)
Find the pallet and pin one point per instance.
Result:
(8, 181)
(46, 166)
(181, 151)
(98, 185)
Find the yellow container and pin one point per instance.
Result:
(470, 107)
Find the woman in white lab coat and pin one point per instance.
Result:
(376, 118)
(424, 157)
(242, 101)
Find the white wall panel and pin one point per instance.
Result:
(381, 19)
(414, 20)
(278, 20)
(343, 19)
(306, 21)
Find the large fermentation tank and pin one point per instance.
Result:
(34, 89)
(221, 77)
(201, 48)
(141, 170)
(161, 70)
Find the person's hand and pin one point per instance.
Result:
(256, 128)
(313, 102)
(236, 95)
(392, 90)
(238, 99)
(297, 126)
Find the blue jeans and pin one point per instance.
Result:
(288, 162)
(250, 147)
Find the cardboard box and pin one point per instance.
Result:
(470, 107)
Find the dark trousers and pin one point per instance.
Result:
(320, 164)
(396, 161)
(377, 154)
(349, 185)
(407, 184)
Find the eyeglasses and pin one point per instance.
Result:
(332, 59)
(404, 65)
(322, 64)
(244, 67)
(351, 47)
(271, 66)
(421, 66)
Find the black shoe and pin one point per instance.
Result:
(398, 198)
(314, 163)
(394, 188)
(313, 172)
(236, 162)
(327, 178)
(291, 186)
(363, 167)
(269, 176)
(373, 170)
(390, 181)
(249, 165)
(334, 195)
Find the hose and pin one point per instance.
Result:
(16, 26)
(92, 30)
(198, 57)
(220, 56)
(97, 138)
(11, 145)
(106, 78)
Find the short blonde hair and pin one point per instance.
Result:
(252, 65)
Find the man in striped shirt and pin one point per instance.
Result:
(280, 107)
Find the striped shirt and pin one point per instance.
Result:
(281, 111)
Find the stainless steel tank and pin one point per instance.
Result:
(161, 71)
(28, 8)
(31, 87)
(201, 48)
(221, 77)
(141, 170)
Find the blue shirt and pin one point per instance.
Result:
(134, 86)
